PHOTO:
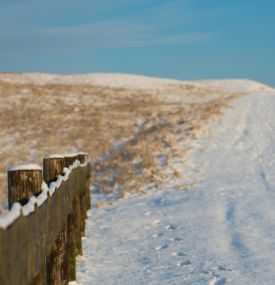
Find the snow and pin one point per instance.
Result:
(29, 207)
(57, 155)
(25, 167)
(42, 197)
(238, 85)
(128, 81)
(9, 217)
(219, 231)
(115, 80)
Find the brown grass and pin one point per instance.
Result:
(38, 120)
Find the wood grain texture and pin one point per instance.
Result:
(52, 167)
(22, 184)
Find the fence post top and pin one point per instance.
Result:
(64, 155)
(25, 167)
(56, 155)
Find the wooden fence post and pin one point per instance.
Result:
(57, 265)
(53, 166)
(83, 157)
(84, 195)
(23, 182)
(74, 227)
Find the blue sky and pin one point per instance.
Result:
(184, 39)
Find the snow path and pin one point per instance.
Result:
(222, 231)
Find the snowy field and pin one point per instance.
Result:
(219, 230)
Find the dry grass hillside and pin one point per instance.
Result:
(154, 118)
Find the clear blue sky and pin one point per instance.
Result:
(184, 39)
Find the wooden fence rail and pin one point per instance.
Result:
(41, 234)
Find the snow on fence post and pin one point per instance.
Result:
(24, 182)
(53, 166)
(57, 265)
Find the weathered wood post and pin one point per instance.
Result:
(53, 166)
(88, 184)
(70, 158)
(74, 227)
(83, 157)
(57, 265)
(25, 181)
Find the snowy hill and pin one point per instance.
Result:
(42, 114)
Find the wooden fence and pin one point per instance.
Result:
(40, 235)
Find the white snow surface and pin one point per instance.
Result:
(129, 81)
(56, 155)
(220, 231)
(30, 166)
(106, 79)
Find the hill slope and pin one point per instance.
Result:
(42, 114)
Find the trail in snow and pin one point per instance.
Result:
(221, 231)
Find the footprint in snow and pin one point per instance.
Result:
(170, 227)
(184, 263)
(222, 268)
(175, 239)
(217, 281)
(161, 247)
(145, 260)
(179, 254)
(157, 235)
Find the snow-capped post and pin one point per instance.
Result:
(24, 181)
(70, 158)
(57, 264)
(53, 166)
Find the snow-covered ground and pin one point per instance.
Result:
(219, 231)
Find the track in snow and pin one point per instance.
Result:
(221, 231)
